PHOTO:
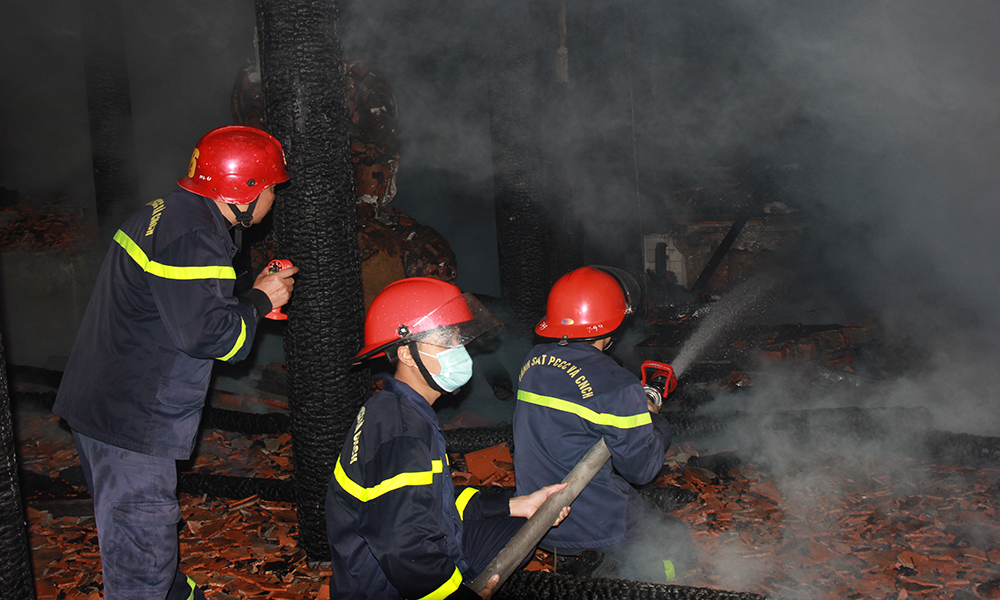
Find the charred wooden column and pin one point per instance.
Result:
(109, 107)
(16, 579)
(316, 228)
(517, 163)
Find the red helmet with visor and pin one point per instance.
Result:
(426, 310)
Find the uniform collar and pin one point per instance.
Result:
(393, 385)
(221, 223)
(584, 346)
(212, 207)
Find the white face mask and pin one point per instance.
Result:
(456, 368)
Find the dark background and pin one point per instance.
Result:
(886, 111)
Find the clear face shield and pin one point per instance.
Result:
(455, 323)
(630, 287)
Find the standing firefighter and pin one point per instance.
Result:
(398, 527)
(162, 311)
(571, 394)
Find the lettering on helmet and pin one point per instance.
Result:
(158, 206)
(357, 435)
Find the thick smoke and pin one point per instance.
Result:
(886, 111)
(889, 110)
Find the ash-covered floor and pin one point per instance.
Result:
(882, 522)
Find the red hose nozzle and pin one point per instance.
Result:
(658, 380)
(278, 264)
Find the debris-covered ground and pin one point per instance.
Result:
(887, 526)
(875, 541)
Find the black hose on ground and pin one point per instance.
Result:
(249, 423)
(945, 447)
(668, 499)
(224, 486)
(540, 585)
(469, 439)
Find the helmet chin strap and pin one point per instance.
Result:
(244, 219)
(423, 370)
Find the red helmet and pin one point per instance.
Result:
(234, 164)
(587, 304)
(424, 309)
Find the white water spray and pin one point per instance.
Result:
(745, 297)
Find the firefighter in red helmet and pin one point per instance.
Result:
(570, 395)
(237, 166)
(587, 305)
(162, 311)
(398, 526)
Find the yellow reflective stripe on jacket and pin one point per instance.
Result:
(585, 413)
(239, 341)
(168, 271)
(448, 588)
(194, 586)
(181, 273)
(463, 500)
(393, 483)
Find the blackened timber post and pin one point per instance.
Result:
(302, 71)
(109, 111)
(518, 165)
(16, 578)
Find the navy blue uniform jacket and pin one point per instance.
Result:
(568, 398)
(162, 310)
(393, 515)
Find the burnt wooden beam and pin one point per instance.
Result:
(517, 165)
(16, 578)
(302, 71)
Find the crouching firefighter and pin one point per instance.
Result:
(571, 394)
(397, 525)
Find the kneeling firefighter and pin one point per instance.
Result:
(570, 395)
(397, 525)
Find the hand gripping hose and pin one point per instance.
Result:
(525, 540)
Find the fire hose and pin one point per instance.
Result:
(525, 540)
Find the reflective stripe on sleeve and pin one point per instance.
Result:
(169, 271)
(463, 500)
(585, 413)
(447, 588)
(393, 483)
(239, 341)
